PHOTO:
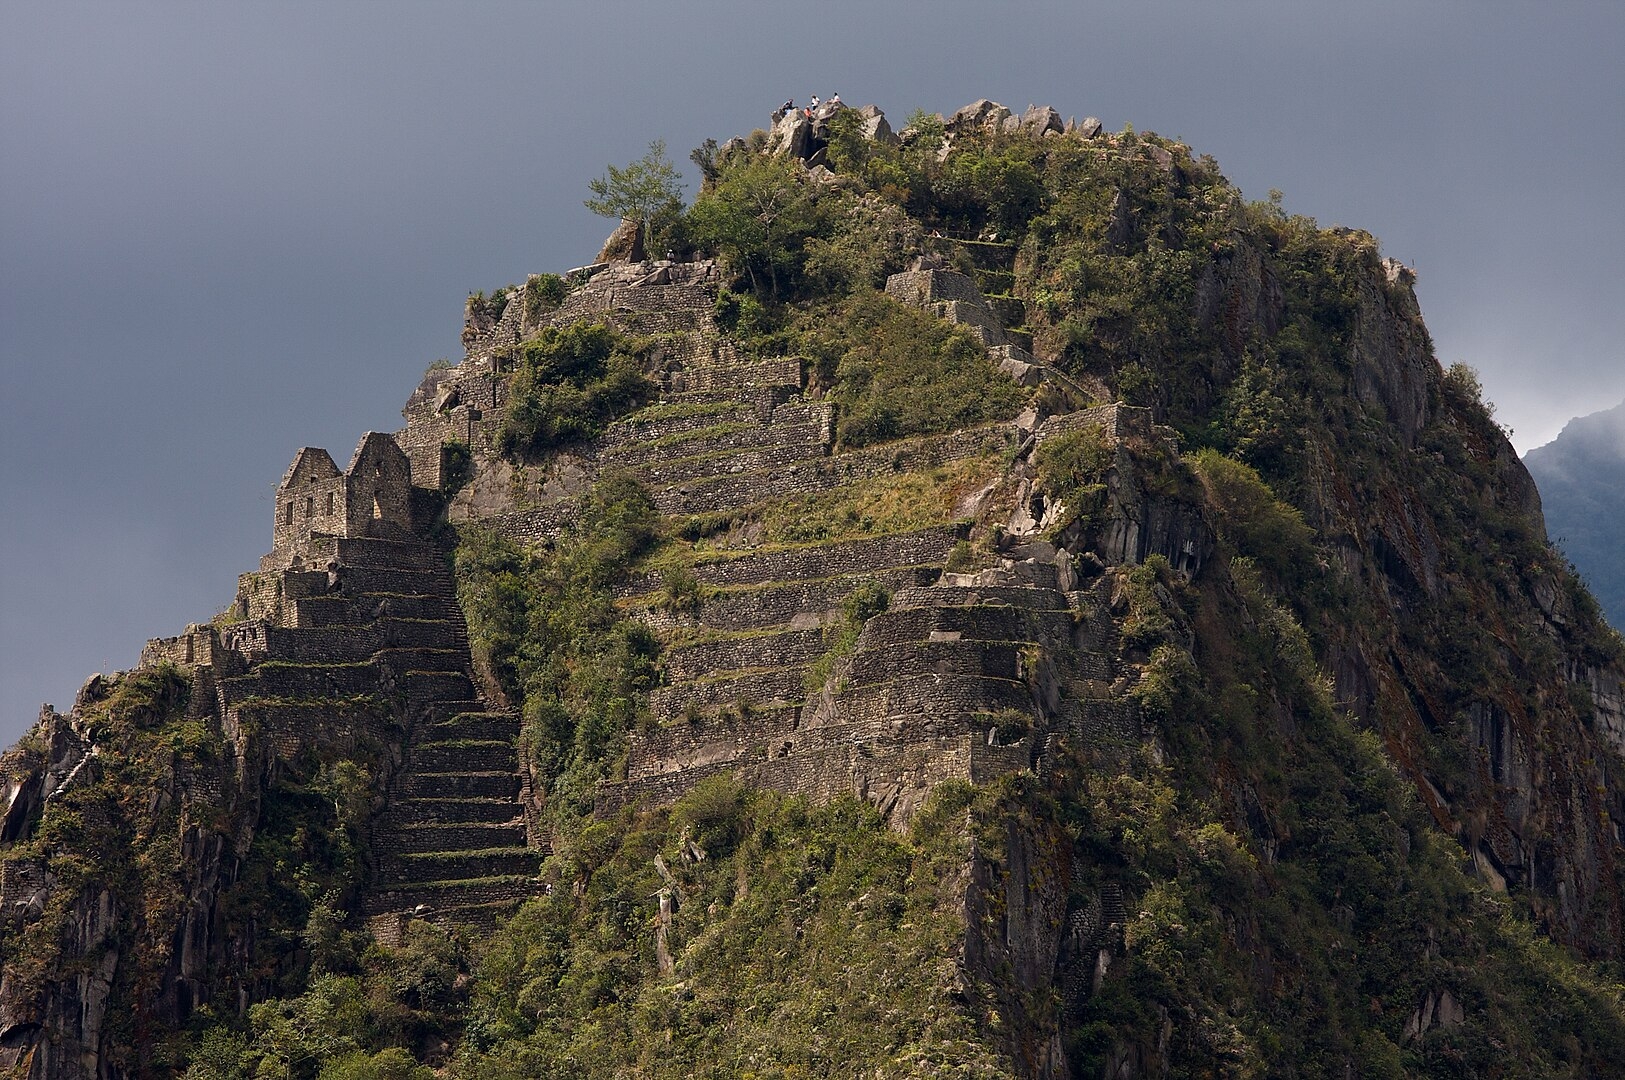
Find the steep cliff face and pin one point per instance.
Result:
(1062, 621)
(146, 862)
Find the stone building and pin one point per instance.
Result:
(314, 501)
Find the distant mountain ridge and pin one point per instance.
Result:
(1581, 476)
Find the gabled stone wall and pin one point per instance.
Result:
(314, 501)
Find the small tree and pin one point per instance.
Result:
(640, 190)
(757, 215)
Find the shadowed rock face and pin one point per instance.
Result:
(1581, 475)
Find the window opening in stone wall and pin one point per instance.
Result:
(310, 506)
(329, 502)
(287, 513)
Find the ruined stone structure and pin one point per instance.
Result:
(353, 621)
(316, 502)
(964, 676)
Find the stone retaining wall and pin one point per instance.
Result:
(864, 556)
(781, 605)
(709, 739)
(923, 696)
(982, 659)
(766, 687)
(696, 660)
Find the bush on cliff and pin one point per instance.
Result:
(570, 383)
(803, 941)
(895, 371)
(758, 215)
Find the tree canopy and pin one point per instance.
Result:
(638, 191)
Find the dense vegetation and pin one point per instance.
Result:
(543, 624)
(570, 382)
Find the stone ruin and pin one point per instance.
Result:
(316, 502)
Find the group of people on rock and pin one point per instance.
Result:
(814, 109)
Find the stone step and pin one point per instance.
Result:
(459, 785)
(831, 560)
(453, 810)
(357, 580)
(990, 659)
(764, 399)
(362, 608)
(812, 601)
(729, 377)
(435, 710)
(480, 918)
(430, 685)
(472, 725)
(932, 695)
(705, 740)
(440, 661)
(764, 688)
(445, 895)
(349, 644)
(811, 562)
(1029, 597)
(457, 865)
(725, 463)
(456, 836)
(273, 717)
(299, 682)
(701, 658)
(379, 552)
(1000, 623)
(665, 421)
(464, 756)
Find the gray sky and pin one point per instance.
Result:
(231, 230)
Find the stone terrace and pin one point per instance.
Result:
(379, 633)
(963, 676)
(960, 678)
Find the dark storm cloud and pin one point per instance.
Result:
(227, 231)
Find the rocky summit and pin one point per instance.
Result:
(988, 601)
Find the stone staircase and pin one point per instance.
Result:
(380, 629)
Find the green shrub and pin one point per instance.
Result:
(895, 371)
(456, 466)
(680, 591)
(1072, 468)
(867, 599)
(543, 293)
(1252, 520)
(543, 625)
(571, 382)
